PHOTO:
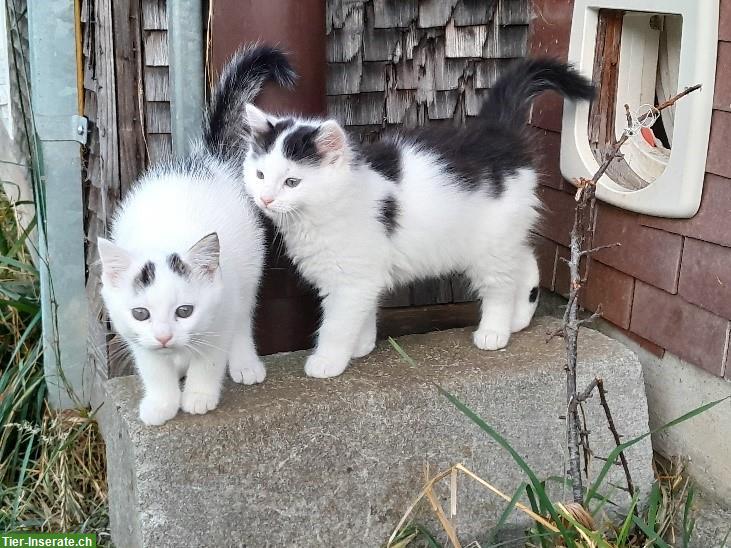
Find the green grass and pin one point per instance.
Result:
(576, 525)
(52, 470)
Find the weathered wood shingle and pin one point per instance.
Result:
(418, 60)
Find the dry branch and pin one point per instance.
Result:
(581, 232)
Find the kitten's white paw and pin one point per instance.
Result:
(322, 367)
(154, 412)
(198, 403)
(487, 339)
(250, 372)
(363, 349)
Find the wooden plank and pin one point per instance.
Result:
(128, 65)
(154, 15)
(389, 14)
(394, 322)
(159, 147)
(344, 41)
(435, 13)
(156, 48)
(157, 117)
(474, 12)
(432, 291)
(513, 12)
(157, 83)
(106, 94)
(506, 42)
(465, 41)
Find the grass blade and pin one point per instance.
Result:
(508, 510)
(688, 521)
(653, 539)
(611, 459)
(535, 483)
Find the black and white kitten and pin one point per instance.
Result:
(358, 221)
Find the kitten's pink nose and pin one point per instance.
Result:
(266, 200)
(163, 339)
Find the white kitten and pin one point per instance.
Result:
(180, 279)
(360, 220)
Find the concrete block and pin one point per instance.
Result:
(308, 462)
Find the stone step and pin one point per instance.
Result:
(308, 462)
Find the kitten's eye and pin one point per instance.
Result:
(291, 182)
(259, 174)
(184, 311)
(140, 314)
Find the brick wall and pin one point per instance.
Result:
(669, 284)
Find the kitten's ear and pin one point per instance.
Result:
(115, 260)
(331, 141)
(257, 119)
(204, 255)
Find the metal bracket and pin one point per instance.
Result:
(79, 128)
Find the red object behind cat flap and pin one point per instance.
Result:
(288, 311)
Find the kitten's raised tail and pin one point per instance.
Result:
(509, 99)
(224, 129)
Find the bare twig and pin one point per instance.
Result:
(581, 232)
(615, 434)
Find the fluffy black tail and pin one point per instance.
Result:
(241, 80)
(509, 100)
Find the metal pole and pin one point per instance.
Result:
(60, 130)
(186, 43)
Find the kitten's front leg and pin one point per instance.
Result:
(244, 364)
(498, 302)
(367, 337)
(202, 389)
(344, 314)
(160, 380)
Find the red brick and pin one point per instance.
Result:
(651, 255)
(682, 328)
(724, 23)
(550, 28)
(705, 276)
(610, 289)
(719, 158)
(547, 111)
(722, 92)
(557, 215)
(548, 156)
(545, 251)
(712, 223)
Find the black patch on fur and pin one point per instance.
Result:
(146, 276)
(385, 158)
(178, 266)
(388, 214)
(480, 156)
(494, 145)
(533, 295)
(300, 146)
(263, 142)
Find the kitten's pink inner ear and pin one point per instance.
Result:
(257, 119)
(331, 139)
(204, 254)
(115, 260)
